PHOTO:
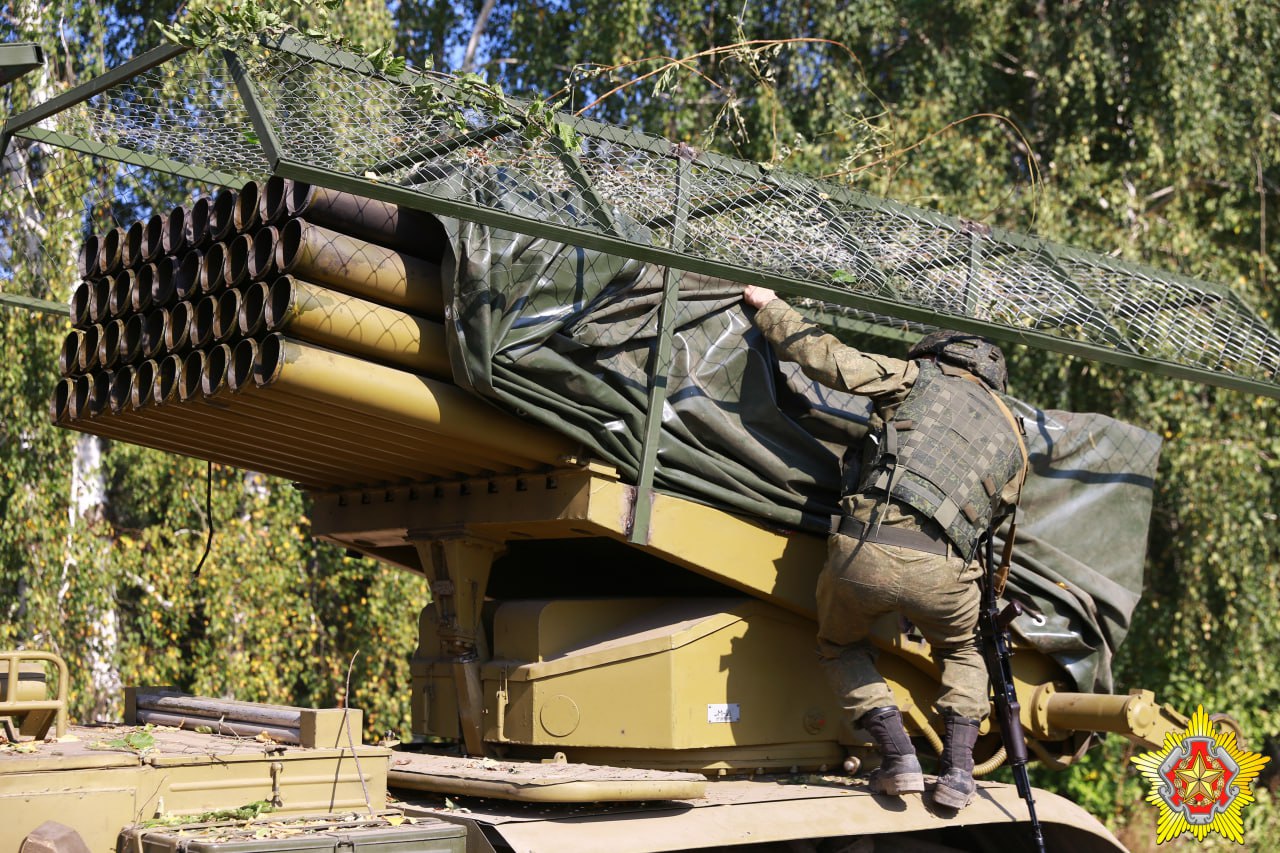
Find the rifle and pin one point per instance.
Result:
(994, 625)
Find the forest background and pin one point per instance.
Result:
(1148, 131)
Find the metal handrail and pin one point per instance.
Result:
(10, 705)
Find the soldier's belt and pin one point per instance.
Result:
(917, 540)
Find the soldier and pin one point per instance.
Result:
(944, 458)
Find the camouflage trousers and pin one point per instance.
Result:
(862, 581)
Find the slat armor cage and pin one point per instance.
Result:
(313, 113)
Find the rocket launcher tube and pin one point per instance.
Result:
(357, 327)
(359, 268)
(131, 248)
(109, 258)
(87, 354)
(359, 428)
(153, 239)
(131, 339)
(100, 301)
(80, 298)
(390, 394)
(68, 356)
(246, 213)
(197, 222)
(120, 296)
(109, 344)
(222, 215)
(378, 222)
(252, 318)
(90, 252)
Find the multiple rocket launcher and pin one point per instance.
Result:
(283, 328)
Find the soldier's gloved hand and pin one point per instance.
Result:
(758, 297)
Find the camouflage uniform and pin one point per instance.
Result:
(862, 580)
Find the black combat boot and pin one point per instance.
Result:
(899, 771)
(955, 776)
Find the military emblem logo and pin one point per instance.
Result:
(1200, 781)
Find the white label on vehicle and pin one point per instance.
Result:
(727, 712)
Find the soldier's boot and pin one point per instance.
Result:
(955, 776)
(899, 771)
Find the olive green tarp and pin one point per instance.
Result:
(565, 336)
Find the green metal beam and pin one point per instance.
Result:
(660, 368)
(30, 303)
(85, 91)
(129, 155)
(18, 58)
(792, 286)
(267, 138)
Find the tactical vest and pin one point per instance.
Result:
(948, 452)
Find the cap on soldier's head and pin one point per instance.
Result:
(971, 352)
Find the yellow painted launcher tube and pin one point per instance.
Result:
(360, 425)
(384, 392)
(334, 320)
(358, 267)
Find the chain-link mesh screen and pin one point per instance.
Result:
(184, 114)
(328, 113)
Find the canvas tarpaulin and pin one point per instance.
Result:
(566, 336)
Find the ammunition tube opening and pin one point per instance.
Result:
(99, 391)
(131, 341)
(120, 298)
(109, 344)
(68, 357)
(237, 267)
(279, 301)
(175, 239)
(80, 303)
(131, 252)
(153, 238)
(246, 212)
(213, 268)
(78, 402)
(222, 215)
(143, 287)
(271, 203)
(187, 283)
(87, 355)
(118, 392)
(142, 389)
(213, 376)
(252, 317)
(189, 378)
(100, 303)
(270, 359)
(289, 245)
(60, 405)
(154, 332)
(243, 357)
(225, 321)
(109, 257)
(164, 288)
(198, 222)
(262, 260)
(298, 198)
(202, 322)
(178, 333)
(165, 387)
(87, 261)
